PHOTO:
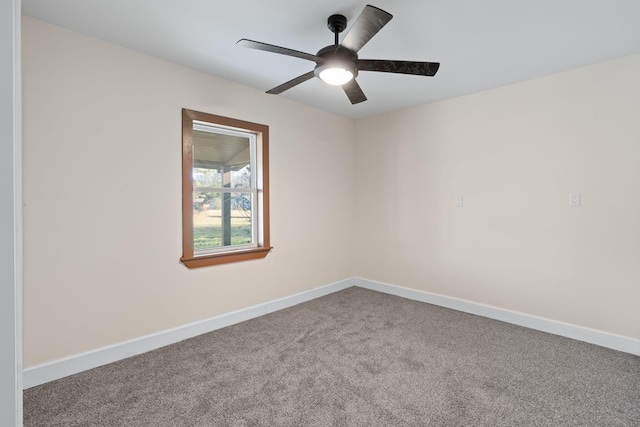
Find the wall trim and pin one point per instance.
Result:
(580, 333)
(11, 385)
(50, 371)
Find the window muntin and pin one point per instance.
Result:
(225, 189)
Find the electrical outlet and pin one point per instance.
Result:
(459, 201)
(574, 199)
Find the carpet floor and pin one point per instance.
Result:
(354, 358)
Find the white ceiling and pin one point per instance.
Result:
(480, 44)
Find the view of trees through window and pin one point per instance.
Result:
(208, 205)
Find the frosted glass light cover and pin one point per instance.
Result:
(336, 76)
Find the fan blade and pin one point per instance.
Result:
(277, 49)
(353, 91)
(402, 67)
(291, 83)
(370, 21)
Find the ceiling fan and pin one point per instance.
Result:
(338, 64)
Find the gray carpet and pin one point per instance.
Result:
(354, 358)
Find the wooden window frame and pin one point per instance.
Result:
(262, 185)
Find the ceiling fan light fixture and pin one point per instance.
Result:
(338, 64)
(336, 73)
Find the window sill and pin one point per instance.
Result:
(225, 257)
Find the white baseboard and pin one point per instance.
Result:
(61, 368)
(593, 336)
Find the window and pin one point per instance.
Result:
(225, 190)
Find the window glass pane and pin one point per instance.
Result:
(228, 157)
(222, 219)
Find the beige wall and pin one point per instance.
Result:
(102, 196)
(515, 154)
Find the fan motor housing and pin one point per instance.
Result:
(337, 52)
(333, 54)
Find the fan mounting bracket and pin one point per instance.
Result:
(337, 23)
